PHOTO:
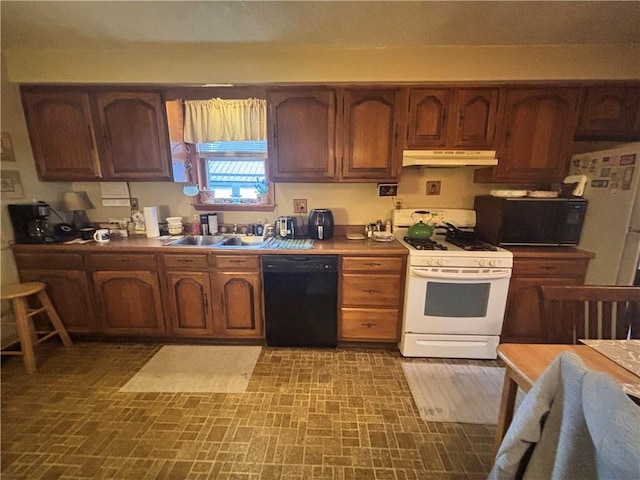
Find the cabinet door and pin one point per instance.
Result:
(428, 111)
(134, 136)
(537, 135)
(473, 122)
(238, 305)
(370, 129)
(302, 131)
(189, 294)
(130, 302)
(69, 293)
(610, 113)
(62, 135)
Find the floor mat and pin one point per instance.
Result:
(455, 393)
(196, 368)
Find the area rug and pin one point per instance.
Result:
(196, 368)
(455, 393)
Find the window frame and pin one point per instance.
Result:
(200, 173)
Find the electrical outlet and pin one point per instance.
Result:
(433, 187)
(299, 205)
(134, 203)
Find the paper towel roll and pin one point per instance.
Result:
(151, 222)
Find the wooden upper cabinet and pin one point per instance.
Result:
(610, 113)
(536, 135)
(452, 117)
(84, 133)
(476, 115)
(134, 136)
(302, 130)
(428, 110)
(62, 135)
(371, 122)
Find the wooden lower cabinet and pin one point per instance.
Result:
(129, 302)
(371, 294)
(522, 317)
(67, 286)
(190, 312)
(69, 293)
(188, 306)
(127, 291)
(237, 294)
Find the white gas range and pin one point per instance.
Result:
(456, 293)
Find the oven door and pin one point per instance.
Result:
(460, 301)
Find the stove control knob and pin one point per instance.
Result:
(488, 263)
(440, 261)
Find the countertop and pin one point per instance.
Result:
(338, 245)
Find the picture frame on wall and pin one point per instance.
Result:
(11, 184)
(7, 152)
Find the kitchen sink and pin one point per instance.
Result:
(218, 241)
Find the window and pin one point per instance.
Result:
(233, 171)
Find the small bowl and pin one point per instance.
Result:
(174, 220)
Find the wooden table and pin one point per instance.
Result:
(526, 362)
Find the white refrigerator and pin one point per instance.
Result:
(612, 222)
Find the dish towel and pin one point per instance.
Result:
(289, 243)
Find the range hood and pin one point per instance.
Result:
(448, 158)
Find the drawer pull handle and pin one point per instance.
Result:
(369, 325)
(548, 267)
(371, 290)
(373, 264)
(237, 261)
(185, 260)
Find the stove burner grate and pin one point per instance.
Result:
(471, 243)
(424, 244)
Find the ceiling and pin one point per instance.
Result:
(338, 24)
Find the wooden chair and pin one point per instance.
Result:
(570, 313)
(28, 336)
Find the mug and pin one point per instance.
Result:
(87, 233)
(101, 236)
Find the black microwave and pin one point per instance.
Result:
(530, 221)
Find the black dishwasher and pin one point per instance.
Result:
(301, 300)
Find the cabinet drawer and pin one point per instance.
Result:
(369, 290)
(373, 264)
(555, 267)
(226, 262)
(185, 261)
(367, 324)
(55, 261)
(122, 262)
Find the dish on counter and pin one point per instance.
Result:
(355, 236)
(542, 194)
(509, 193)
(382, 236)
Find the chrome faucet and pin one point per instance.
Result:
(235, 228)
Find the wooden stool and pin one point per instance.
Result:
(28, 336)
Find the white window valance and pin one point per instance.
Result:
(217, 120)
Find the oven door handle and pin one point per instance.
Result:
(462, 276)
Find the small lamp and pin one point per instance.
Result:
(78, 202)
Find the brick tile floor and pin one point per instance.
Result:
(307, 414)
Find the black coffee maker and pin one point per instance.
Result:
(321, 224)
(30, 222)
